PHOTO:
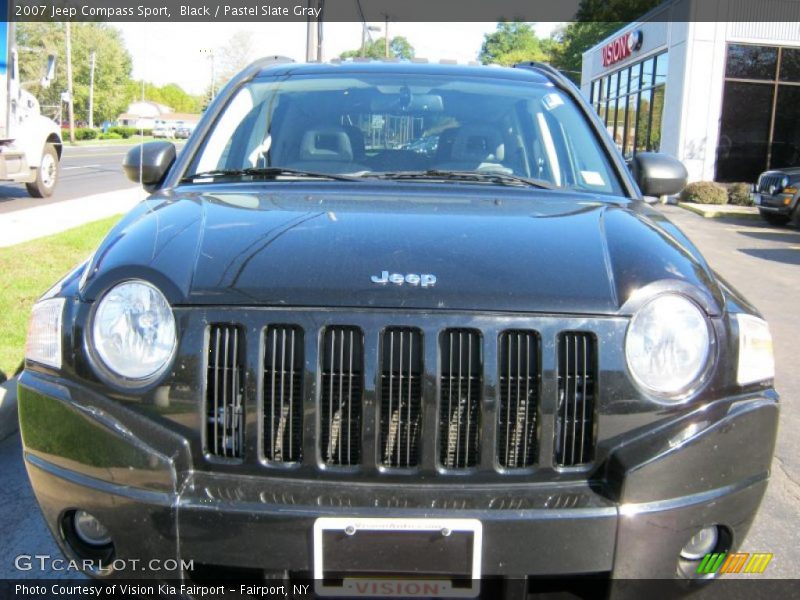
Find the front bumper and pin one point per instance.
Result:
(630, 517)
(778, 204)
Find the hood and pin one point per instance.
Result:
(299, 244)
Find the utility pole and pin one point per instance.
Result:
(311, 37)
(209, 52)
(69, 83)
(386, 39)
(320, 19)
(92, 61)
(364, 29)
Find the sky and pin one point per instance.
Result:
(172, 52)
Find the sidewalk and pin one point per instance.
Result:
(40, 221)
(717, 211)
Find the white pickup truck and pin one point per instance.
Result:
(30, 143)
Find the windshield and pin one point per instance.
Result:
(368, 124)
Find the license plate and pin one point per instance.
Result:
(384, 558)
(756, 198)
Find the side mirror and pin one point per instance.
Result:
(148, 163)
(658, 174)
(50, 73)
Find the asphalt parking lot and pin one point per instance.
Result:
(763, 262)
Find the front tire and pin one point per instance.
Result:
(46, 174)
(774, 219)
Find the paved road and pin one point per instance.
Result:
(85, 170)
(761, 261)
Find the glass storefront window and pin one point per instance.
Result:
(751, 62)
(654, 143)
(636, 72)
(623, 82)
(744, 131)
(790, 65)
(629, 147)
(662, 65)
(629, 112)
(647, 73)
(643, 120)
(619, 129)
(613, 85)
(786, 137)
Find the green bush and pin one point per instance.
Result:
(124, 132)
(144, 132)
(111, 135)
(704, 192)
(739, 194)
(81, 133)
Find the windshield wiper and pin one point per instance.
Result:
(265, 173)
(477, 176)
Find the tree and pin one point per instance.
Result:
(575, 39)
(399, 47)
(171, 95)
(112, 74)
(595, 21)
(512, 43)
(234, 56)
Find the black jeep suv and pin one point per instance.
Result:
(777, 194)
(321, 350)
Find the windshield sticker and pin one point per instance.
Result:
(552, 101)
(592, 178)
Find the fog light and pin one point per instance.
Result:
(701, 543)
(90, 530)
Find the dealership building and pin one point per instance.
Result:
(721, 95)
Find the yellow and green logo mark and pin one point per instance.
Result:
(734, 562)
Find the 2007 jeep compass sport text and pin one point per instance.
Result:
(391, 320)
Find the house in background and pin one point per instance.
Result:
(145, 114)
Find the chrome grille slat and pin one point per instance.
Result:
(767, 181)
(224, 393)
(401, 404)
(518, 399)
(507, 435)
(462, 376)
(340, 407)
(576, 399)
(283, 368)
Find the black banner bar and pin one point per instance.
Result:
(394, 10)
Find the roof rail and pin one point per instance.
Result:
(275, 59)
(540, 66)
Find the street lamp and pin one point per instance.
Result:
(209, 52)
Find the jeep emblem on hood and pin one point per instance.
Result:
(424, 280)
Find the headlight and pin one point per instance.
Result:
(784, 182)
(44, 333)
(668, 345)
(133, 332)
(756, 362)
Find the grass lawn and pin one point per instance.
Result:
(29, 270)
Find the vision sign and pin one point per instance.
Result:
(622, 47)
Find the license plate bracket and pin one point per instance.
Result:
(397, 557)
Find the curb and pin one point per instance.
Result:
(9, 422)
(723, 211)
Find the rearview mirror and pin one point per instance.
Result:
(658, 174)
(148, 163)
